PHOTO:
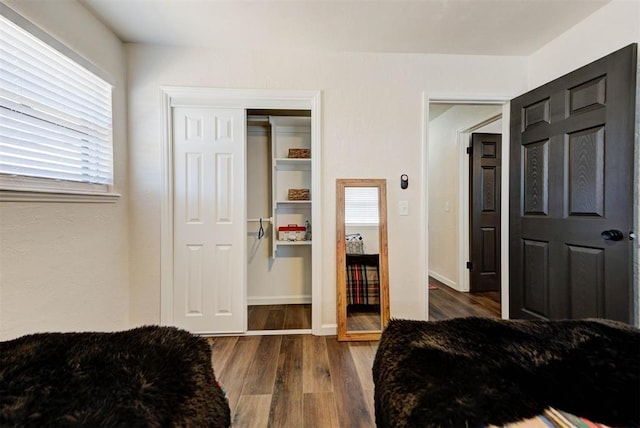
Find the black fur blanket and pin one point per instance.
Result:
(479, 371)
(145, 377)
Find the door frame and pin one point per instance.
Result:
(179, 96)
(504, 101)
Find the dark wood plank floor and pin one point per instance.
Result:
(445, 303)
(296, 380)
(279, 317)
(312, 381)
(363, 319)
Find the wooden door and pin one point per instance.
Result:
(485, 176)
(209, 213)
(571, 187)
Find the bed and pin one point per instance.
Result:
(150, 376)
(489, 372)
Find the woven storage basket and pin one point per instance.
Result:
(299, 195)
(299, 153)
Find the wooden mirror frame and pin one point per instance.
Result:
(341, 252)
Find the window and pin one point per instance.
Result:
(55, 116)
(361, 205)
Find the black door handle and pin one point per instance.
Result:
(612, 235)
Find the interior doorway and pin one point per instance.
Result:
(450, 128)
(279, 269)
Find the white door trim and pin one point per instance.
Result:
(174, 96)
(504, 101)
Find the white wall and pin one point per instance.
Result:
(64, 266)
(371, 128)
(494, 127)
(444, 181)
(370, 237)
(612, 27)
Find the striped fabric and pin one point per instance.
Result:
(552, 418)
(363, 279)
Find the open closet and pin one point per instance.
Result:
(279, 220)
(240, 196)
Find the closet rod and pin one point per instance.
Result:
(269, 219)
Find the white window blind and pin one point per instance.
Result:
(361, 205)
(55, 115)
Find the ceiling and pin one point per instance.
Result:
(481, 27)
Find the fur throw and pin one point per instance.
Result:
(480, 371)
(145, 377)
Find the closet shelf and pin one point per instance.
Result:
(293, 161)
(293, 202)
(290, 177)
(293, 242)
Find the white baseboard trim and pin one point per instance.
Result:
(278, 300)
(329, 330)
(276, 332)
(443, 279)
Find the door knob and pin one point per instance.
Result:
(612, 235)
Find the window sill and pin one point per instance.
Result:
(29, 189)
(57, 196)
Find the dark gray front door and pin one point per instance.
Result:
(571, 194)
(486, 158)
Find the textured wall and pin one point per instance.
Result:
(65, 266)
(372, 122)
(610, 28)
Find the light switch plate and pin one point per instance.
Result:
(403, 207)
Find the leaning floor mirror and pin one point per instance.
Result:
(362, 266)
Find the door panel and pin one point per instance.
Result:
(586, 281)
(571, 179)
(536, 178)
(209, 236)
(486, 158)
(586, 172)
(536, 277)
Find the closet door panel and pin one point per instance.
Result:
(209, 244)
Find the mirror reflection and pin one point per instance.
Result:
(361, 221)
(362, 273)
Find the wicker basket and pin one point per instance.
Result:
(299, 195)
(299, 153)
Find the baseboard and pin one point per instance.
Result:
(277, 332)
(278, 300)
(446, 281)
(329, 330)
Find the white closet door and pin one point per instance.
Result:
(209, 207)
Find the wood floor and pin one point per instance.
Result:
(296, 380)
(312, 381)
(363, 319)
(445, 303)
(279, 317)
